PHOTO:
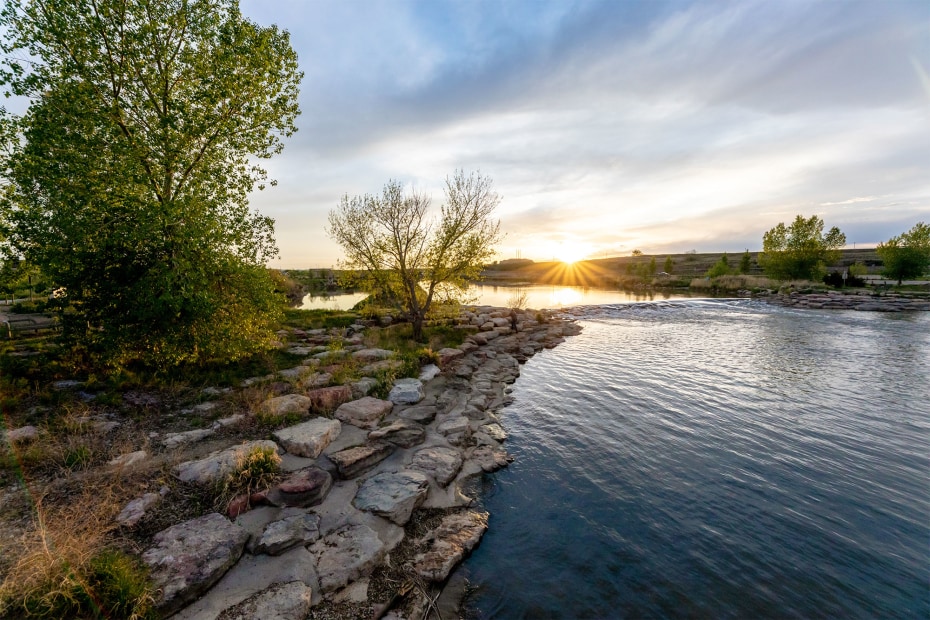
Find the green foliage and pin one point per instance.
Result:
(745, 262)
(857, 270)
(669, 264)
(78, 457)
(907, 255)
(409, 260)
(651, 268)
(720, 268)
(800, 251)
(129, 186)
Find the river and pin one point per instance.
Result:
(719, 459)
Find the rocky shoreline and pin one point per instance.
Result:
(372, 514)
(863, 301)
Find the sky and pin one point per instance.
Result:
(610, 126)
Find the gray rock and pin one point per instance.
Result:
(298, 350)
(383, 366)
(283, 405)
(403, 433)
(327, 399)
(423, 414)
(392, 495)
(67, 384)
(173, 440)
(310, 438)
(407, 392)
(365, 412)
(190, 557)
(356, 461)
(279, 536)
(428, 372)
(227, 422)
(129, 459)
(490, 459)
(307, 487)
(494, 431)
(447, 356)
(297, 372)
(438, 462)
(458, 424)
(363, 387)
(282, 601)
(23, 433)
(136, 509)
(345, 555)
(367, 356)
(217, 465)
(456, 536)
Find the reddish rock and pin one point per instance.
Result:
(457, 535)
(447, 356)
(365, 412)
(307, 487)
(327, 399)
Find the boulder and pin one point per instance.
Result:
(136, 509)
(363, 387)
(403, 433)
(423, 414)
(190, 557)
(407, 392)
(295, 373)
(438, 462)
(173, 440)
(281, 601)
(365, 412)
(494, 431)
(367, 356)
(23, 433)
(456, 536)
(217, 465)
(309, 438)
(356, 461)
(279, 536)
(283, 405)
(345, 555)
(378, 367)
(307, 487)
(447, 356)
(452, 426)
(490, 459)
(325, 400)
(129, 459)
(392, 495)
(429, 372)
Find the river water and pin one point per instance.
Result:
(723, 459)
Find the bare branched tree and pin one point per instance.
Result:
(411, 257)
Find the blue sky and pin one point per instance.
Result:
(611, 126)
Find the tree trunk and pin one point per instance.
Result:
(417, 321)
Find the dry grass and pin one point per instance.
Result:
(63, 568)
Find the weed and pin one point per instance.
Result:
(78, 457)
(255, 470)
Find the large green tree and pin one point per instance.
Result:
(800, 251)
(130, 179)
(408, 255)
(907, 255)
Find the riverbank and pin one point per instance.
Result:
(865, 301)
(368, 508)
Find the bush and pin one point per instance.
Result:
(255, 469)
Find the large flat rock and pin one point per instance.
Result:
(403, 433)
(217, 465)
(392, 495)
(407, 392)
(356, 461)
(307, 487)
(190, 557)
(424, 414)
(309, 438)
(456, 536)
(346, 554)
(282, 601)
(365, 412)
(367, 356)
(283, 534)
(287, 404)
(438, 462)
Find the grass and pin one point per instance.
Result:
(65, 569)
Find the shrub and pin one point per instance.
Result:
(255, 469)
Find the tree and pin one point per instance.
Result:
(907, 255)
(800, 251)
(636, 253)
(411, 258)
(720, 268)
(651, 270)
(130, 181)
(745, 262)
(669, 264)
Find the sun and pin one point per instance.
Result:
(570, 252)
